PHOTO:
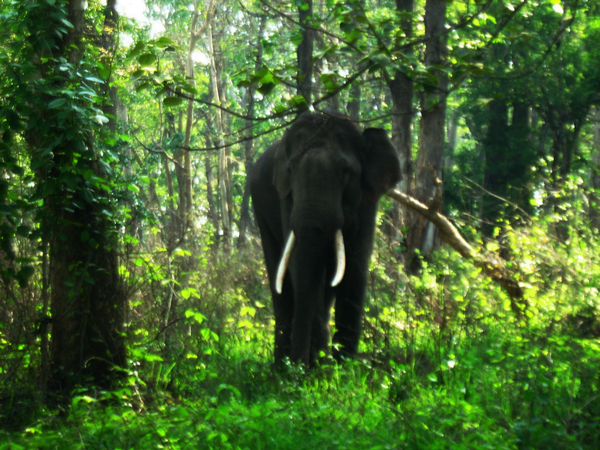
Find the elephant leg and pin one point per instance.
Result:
(321, 331)
(283, 304)
(349, 307)
(309, 290)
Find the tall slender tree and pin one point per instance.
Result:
(595, 172)
(401, 90)
(305, 52)
(430, 159)
(249, 143)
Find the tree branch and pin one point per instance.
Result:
(492, 265)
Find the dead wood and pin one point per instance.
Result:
(490, 264)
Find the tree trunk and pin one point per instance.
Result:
(401, 90)
(249, 144)
(189, 121)
(108, 50)
(210, 180)
(495, 150)
(86, 297)
(223, 170)
(354, 102)
(564, 129)
(305, 53)
(595, 173)
(422, 234)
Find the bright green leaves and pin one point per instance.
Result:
(198, 317)
(330, 81)
(153, 46)
(148, 54)
(351, 30)
(296, 39)
(150, 73)
(147, 59)
(265, 79)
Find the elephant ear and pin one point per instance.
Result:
(281, 170)
(381, 166)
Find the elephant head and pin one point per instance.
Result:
(326, 177)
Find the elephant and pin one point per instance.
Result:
(315, 194)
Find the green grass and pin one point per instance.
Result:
(490, 393)
(444, 365)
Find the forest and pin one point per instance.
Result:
(136, 308)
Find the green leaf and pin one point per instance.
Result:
(163, 42)
(196, 315)
(101, 119)
(84, 398)
(265, 89)
(57, 103)
(172, 101)
(135, 51)
(147, 59)
(296, 39)
(298, 100)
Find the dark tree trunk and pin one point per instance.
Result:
(495, 146)
(430, 160)
(87, 301)
(305, 53)
(354, 103)
(595, 173)
(108, 48)
(565, 127)
(401, 89)
(210, 180)
(249, 144)
(86, 297)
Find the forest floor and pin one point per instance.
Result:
(444, 364)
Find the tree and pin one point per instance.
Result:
(305, 52)
(595, 173)
(55, 106)
(432, 135)
(249, 143)
(401, 89)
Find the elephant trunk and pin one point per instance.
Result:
(340, 253)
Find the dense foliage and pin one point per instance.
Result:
(154, 138)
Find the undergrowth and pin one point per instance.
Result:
(444, 363)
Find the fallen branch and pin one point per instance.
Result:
(492, 265)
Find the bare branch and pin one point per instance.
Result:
(491, 194)
(158, 152)
(490, 264)
(320, 30)
(239, 141)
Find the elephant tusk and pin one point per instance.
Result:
(285, 261)
(340, 253)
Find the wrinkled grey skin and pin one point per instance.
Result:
(323, 175)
